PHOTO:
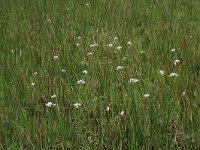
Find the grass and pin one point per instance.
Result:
(34, 32)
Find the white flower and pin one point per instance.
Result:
(173, 75)
(49, 104)
(53, 96)
(79, 37)
(108, 109)
(162, 72)
(12, 51)
(110, 45)
(142, 52)
(176, 62)
(116, 38)
(133, 80)
(63, 70)
(81, 82)
(35, 73)
(87, 4)
(94, 45)
(77, 105)
(173, 50)
(118, 47)
(55, 57)
(122, 113)
(32, 84)
(120, 67)
(89, 54)
(146, 95)
(129, 43)
(184, 93)
(85, 72)
(77, 44)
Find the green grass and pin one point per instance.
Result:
(33, 32)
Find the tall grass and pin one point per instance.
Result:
(45, 47)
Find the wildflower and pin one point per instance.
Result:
(63, 70)
(119, 67)
(81, 82)
(32, 84)
(173, 50)
(53, 96)
(12, 51)
(93, 45)
(35, 73)
(118, 47)
(122, 113)
(77, 105)
(176, 62)
(77, 44)
(49, 104)
(162, 72)
(55, 57)
(85, 72)
(142, 52)
(89, 54)
(133, 80)
(116, 38)
(110, 45)
(79, 37)
(184, 93)
(173, 75)
(146, 95)
(129, 43)
(87, 4)
(108, 109)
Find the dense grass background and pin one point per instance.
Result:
(33, 32)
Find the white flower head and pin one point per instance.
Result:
(79, 37)
(81, 82)
(173, 50)
(119, 47)
(122, 113)
(77, 105)
(107, 109)
(55, 57)
(110, 45)
(89, 54)
(35, 73)
(142, 52)
(115, 38)
(146, 95)
(93, 45)
(176, 62)
(120, 67)
(173, 75)
(133, 80)
(63, 70)
(184, 93)
(85, 72)
(50, 104)
(129, 43)
(77, 44)
(53, 96)
(162, 72)
(32, 84)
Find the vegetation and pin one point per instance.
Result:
(99, 74)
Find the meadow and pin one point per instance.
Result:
(99, 74)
